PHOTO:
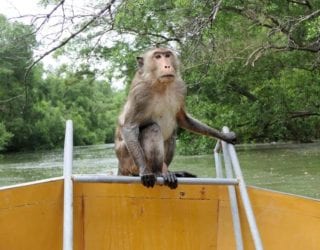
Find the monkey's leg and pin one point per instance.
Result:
(170, 146)
(126, 165)
(170, 178)
(151, 142)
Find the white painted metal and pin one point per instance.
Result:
(232, 167)
(233, 199)
(68, 188)
(131, 179)
(217, 160)
(244, 194)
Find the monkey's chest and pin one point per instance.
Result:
(164, 114)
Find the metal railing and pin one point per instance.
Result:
(160, 180)
(233, 176)
(68, 188)
(233, 170)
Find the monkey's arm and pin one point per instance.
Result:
(187, 122)
(130, 135)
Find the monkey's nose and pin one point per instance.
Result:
(167, 67)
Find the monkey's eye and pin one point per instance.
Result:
(167, 55)
(158, 56)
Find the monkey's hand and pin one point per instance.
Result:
(148, 179)
(170, 179)
(230, 137)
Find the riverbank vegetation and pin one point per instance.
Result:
(252, 66)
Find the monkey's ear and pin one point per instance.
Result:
(140, 61)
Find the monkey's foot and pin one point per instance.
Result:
(184, 174)
(148, 180)
(170, 180)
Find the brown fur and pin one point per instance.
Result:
(154, 108)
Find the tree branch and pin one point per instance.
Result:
(11, 99)
(72, 36)
(276, 25)
(303, 2)
(299, 114)
(243, 91)
(47, 17)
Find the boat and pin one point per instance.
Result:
(118, 213)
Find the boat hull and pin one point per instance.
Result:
(130, 216)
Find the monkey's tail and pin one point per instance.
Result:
(184, 174)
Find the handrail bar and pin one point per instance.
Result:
(232, 168)
(244, 194)
(68, 188)
(217, 159)
(233, 198)
(132, 179)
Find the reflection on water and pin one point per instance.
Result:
(292, 168)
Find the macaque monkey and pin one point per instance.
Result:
(146, 132)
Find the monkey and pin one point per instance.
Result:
(146, 132)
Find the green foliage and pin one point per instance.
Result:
(92, 105)
(253, 68)
(16, 46)
(313, 29)
(4, 136)
(260, 102)
(33, 113)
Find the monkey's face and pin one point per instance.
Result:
(159, 65)
(165, 69)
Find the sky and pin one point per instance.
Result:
(16, 8)
(11, 8)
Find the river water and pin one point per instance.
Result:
(291, 168)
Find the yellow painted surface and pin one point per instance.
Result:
(285, 221)
(129, 216)
(31, 217)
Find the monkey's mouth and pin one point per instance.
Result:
(167, 76)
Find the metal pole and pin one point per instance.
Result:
(131, 179)
(217, 160)
(233, 199)
(244, 195)
(68, 188)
